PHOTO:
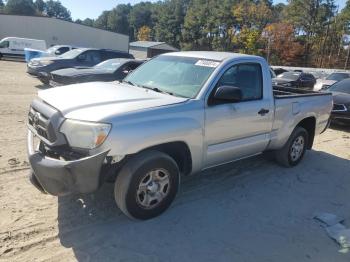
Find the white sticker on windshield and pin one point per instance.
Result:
(207, 63)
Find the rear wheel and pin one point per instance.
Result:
(293, 151)
(147, 185)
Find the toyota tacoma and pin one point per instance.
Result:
(176, 115)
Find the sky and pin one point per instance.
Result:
(93, 8)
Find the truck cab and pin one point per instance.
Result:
(175, 115)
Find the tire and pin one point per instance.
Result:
(45, 81)
(133, 189)
(286, 156)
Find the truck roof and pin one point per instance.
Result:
(211, 55)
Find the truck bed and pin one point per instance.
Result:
(280, 92)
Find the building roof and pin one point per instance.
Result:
(145, 44)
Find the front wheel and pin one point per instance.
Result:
(293, 151)
(147, 185)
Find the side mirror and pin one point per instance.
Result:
(228, 94)
(57, 52)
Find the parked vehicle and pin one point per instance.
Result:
(14, 46)
(295, 79)
(81, 57)
(109, 70)
(279, 70)
(341, 101)
(175, 115)
(330, 80)
(52, 51)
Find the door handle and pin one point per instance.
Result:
(263, 111)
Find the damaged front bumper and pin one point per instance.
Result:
(59, 177)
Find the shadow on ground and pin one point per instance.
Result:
(253, 210)
(339, 127)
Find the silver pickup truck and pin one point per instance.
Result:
(177, 114)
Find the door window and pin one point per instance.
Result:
(4, 44)
(248, 77)
(91, 57)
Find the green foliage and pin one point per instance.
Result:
(140, 15)
(118, 19)
(56, 9)
(40, 6)
(20, 7)
(170, 21)
(102, 21)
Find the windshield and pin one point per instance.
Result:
(181, 76)
(342, 86)
(110, 65)
(337, 76)
(72, 54)
(52, 49)
(289, 75)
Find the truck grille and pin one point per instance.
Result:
(339, 108)
(41, 124)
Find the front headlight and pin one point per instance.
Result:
(83, 134)
(45, 63)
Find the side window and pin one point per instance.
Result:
(63, 50)
(93, 57)
(248, 77)
(4, 44)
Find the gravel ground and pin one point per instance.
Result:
(253, 210)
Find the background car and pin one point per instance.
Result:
(279, 70)
(295, 79)
(55, 50)
(81, 57)
(109, 70)
(341, 101)
(330, 80)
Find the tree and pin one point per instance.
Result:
(1, 6)
(200, 26)
(102, 21)
(309, 17)
(88, 22)
(56, 9)
(20, 7)
(144, 33)
(283, 47)
(40, 6)
(140, 15)
(118, 19)
(170, 21)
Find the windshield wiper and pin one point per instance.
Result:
(156, 89)
(128, 82)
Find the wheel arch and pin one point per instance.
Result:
(309, 124)
(177, 150)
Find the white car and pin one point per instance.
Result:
(330, 80)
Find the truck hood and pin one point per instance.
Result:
(98, 101)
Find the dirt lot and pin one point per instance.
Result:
(248, 211)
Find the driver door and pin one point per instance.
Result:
(240, 129)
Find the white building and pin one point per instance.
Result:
(56, 31)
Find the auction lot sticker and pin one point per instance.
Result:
(207, 63)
